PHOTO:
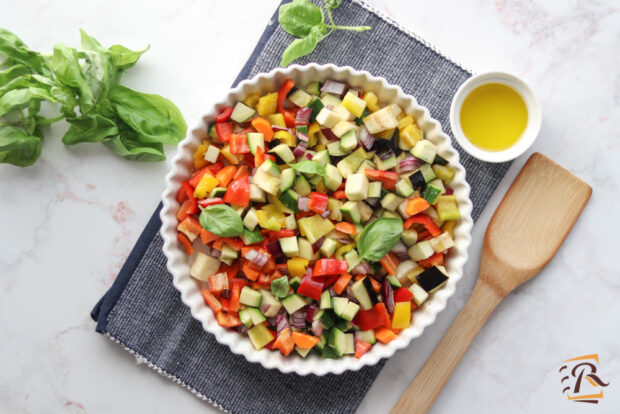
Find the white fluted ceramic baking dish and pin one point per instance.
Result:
(179, 262)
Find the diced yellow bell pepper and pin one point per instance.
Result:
(314, 227)
(354, 104)
(207, 183)
(297, 266)
(402, 315)
(268, 222)
(387, 134)
(277, 120)
(251, 100)
(231, 158)
(404, 122)
(199, 160)
(312, 134)
(410, 135)
(449, 227)
(342, 250)
(267, 104)
(285, 137)
(372, 101)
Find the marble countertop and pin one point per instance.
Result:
(69, 222)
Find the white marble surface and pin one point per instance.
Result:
(69, 222)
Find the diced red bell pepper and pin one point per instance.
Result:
(434, 260)
(280, 234)
(206, 202)
(231, 271)
(189, 205)
(330, 280)
(310, 287)
(224, 114)
(339, 195)
(373, 318)
(242, 171)
(249, 160)
(361, 347)
(239, 144)
(184, 211)
(232, 304)
(227, 320)
(402, 295)
(197, 176)
(318, 202)
(284, 342)
(425, 220)
(224, 130)
(238, 192)
(186, 243)
(211, 300)
(283, 91)
(388, 178)
(328, 267)
(215, 168)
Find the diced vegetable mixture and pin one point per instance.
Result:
(318, 219)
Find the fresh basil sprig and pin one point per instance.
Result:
(97, 108)
(378, 238)
(222, 220)
(309, 167)
(306, 21)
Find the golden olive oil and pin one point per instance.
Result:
(493, 116)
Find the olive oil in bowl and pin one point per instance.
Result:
(493, 116)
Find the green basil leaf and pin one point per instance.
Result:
(126, 145)
(13, 72)
(302, 47)
(89, 128)
(20, 98)
(14, 49)
(299, 17)
(309, 167)
(124, 58)
(379, 237)
(98, 70)
(18, 148)
(332, 4)
(154, 118)
(66, 66)
(222, 220)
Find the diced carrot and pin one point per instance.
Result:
(330, 281)
(218, 244)
(264, 127)
(186, 243)
(233, 242)
(342, 283)
(434, 260)
(376, 286)
(358, 277)
(385, 335)
(346, 228)
(270, 266)
(207, 237)
(225, 175)
(284, 342)
(339, 195)
(211, 300)
(417, 205)
(303, 340)
(389, 263)
(250, 271)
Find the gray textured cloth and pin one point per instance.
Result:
(143, 311)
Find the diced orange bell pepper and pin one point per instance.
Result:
(284, 342)
(303, 340)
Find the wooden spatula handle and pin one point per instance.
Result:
(422, 392)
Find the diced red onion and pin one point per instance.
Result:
(302, 203)
(216, 253)
(241, 328)
(317, 244)
(332, 292)
(251, 179)
(272, 321)
(265, 307)
(326, 213)
(300, 149)
(317, 328)
(388, 296)
(409, 163)
(226, 293)
(361, 269)
(329, 134)
(310, 311)
(274, 249)
(449, 191)
(281, 323)
(373, 201)
(303, 116)
(334, 87)
(298, 319)
(400, 250)
(309, 156)
(256, 257)
(366, 138)
(279, 128)
(302, 137)
(287, 104)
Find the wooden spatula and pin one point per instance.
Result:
(525, 232)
